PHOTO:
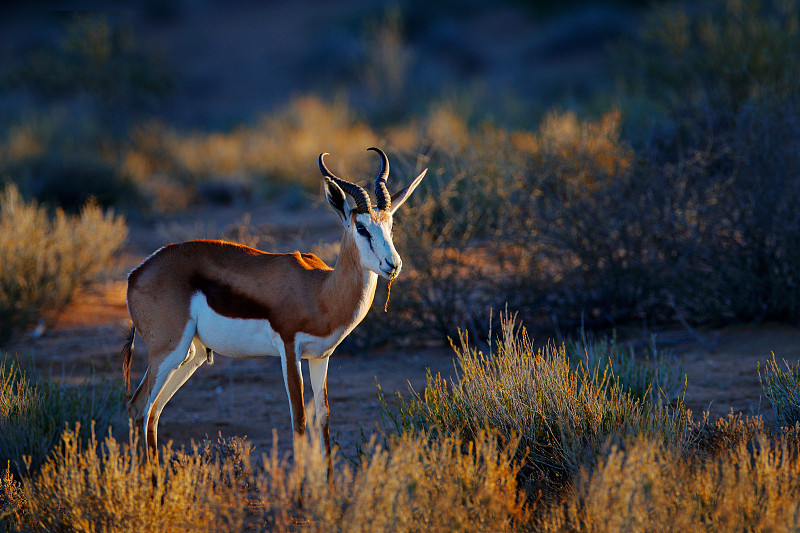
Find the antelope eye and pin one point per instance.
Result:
(362, 230)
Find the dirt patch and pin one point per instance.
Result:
(727, 378)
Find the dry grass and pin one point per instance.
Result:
(591, 456)
(107, 487)
(646, 487)
(43, 260)
(415, 485)
(283, 148)
(418, 486)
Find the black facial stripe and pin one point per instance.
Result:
(363, 231)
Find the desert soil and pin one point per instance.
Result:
(247, 397)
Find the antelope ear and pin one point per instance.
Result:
(400, 197)
(338, 202)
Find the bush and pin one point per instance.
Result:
(33, 414)
(712, 439)
(64, 157)
(571, 227)
(70, 182)
(97, 57)
(474, 234)
(656, 372)
(646, 487)
(43, 261)
(705, 224)
(717, 54)
(563, 414)
(689, 215)
(782, 388)
(75, 101)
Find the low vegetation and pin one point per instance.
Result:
(106, 486)
(563, 408)
(35, 411)
(280, 150)
(643, 486)
(419, 486)
(782, 387)
(44, 260)
(573, 218)
(487, 452)
(679, 205)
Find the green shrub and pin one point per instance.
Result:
(718, 54)
(34, 413)
(562, 414)
(782, 388)
(43, 261)
(94, 56)
(657, 373)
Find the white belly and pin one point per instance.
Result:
(238, 337)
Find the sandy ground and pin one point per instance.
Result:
(247, 397)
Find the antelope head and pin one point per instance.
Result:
(370, 227)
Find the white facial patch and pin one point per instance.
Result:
(374, 242)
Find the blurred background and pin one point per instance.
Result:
(218, 65)
(591, 163)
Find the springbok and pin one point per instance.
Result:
(190, 299)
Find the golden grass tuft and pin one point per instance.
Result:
(417, 484)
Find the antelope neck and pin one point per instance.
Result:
(348, 280)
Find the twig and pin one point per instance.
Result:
(703, 342)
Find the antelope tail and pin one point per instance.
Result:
(126, 355)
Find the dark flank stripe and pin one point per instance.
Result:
(226, 301)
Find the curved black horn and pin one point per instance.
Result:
(381, 192)
(358, 193)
